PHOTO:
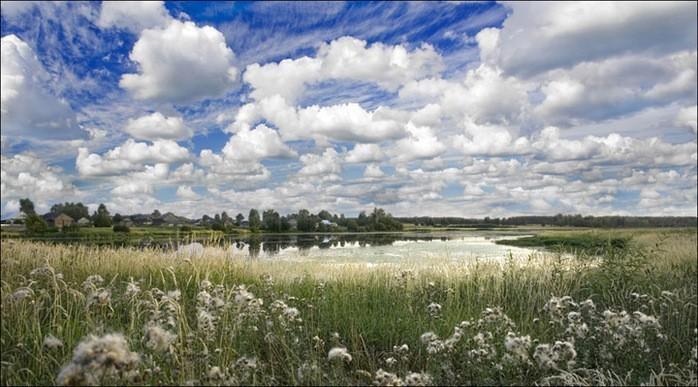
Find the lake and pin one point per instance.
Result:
(378, 247)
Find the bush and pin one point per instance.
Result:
(185, 229)
(35, 224)
(71, 229)
(121, 228)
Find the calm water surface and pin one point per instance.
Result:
(379, 248)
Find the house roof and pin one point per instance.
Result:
(64, 216)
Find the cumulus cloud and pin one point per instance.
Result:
(617, 86)
(133, 16)
(328, 164)
(25, 175)
(156, 126)
(537, 37)
(490, 140)
(687, 117)
(257, 144)
(180, 63)
(363, 153)
(28, 109)
(421, 143)
(344, 122)
(129, 156)
(345, 58)
(373, 171)
(187, 193)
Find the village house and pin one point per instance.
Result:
(63, 220)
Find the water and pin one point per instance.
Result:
(378, 248)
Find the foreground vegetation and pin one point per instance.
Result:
(86, 315)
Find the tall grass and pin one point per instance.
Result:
(241, 321)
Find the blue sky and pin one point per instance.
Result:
(464, 109)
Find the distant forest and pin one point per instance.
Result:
(557, 220)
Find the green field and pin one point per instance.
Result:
(76, 314)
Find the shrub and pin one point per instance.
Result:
(121, 228)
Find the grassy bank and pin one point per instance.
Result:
(629, 317)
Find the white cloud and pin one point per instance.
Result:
(345, 58)
(132, 188)
(373, 171)
(28, 109)
(180, 63)
(156, 126)
(129, 156)
(257, 144)
(421, 143)
(537, 37)
(363, 153)
(25, 175)
(326, 164)
(617, 86)
(345, 122)
(687, 117)
(185, 192)
(134, 16)
(489, 140)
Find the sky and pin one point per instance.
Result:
(420, 108)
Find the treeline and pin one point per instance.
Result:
(304, 221)
(560, 220)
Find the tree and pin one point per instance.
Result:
(33, 222)
(239, 218)
(74, 210)
(225, 218)
(156, 214)
(117, 218)
(254, 220)
(271, 221)
(101, 217)
(324, 215)
(26, 206)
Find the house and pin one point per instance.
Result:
(49, 218)
(245, 224)
(126, 222)
(63, 220)
(84, 222)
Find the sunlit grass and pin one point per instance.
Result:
(228, 319)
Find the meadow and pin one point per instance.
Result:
(77, 314)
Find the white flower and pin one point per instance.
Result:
(52, 342)
(215, 373)
(434, 309)
(98, 358)
(339, 353)
(428, 337)
(21, 294)
(417, 379)
(159, 339)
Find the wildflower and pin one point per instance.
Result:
(174, 295)
(205, 284)
(434, 309)
(206, 321)
(92, 282)
(428, 337)
(291, 315)
(100, 297)
(417, 379)
(390, 362)
(43, 271)
(52, 342)
(339, 353)
(21, 294)
(132, 289)
(246, 364)
(97, 358)
(158, 339)
(518, 345)
(215, 373)
(383, 378)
